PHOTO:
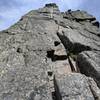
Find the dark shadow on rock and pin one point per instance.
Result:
(74, 48)
(50, 54)
(56, 43)
(57, 91)
(96, 23)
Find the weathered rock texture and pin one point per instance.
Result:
(46, 53)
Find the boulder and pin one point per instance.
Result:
(89, 64)
(75, 86)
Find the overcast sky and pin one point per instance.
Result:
(12, 10)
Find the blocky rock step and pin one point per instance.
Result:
(75, 86)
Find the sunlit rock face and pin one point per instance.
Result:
(51, 55)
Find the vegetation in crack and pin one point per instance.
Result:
(73, 56)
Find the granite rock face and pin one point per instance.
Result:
(45, 54)
(75, 86)
(92, 60)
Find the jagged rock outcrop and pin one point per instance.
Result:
(45, 54)
(79, 16)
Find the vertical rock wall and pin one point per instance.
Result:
(46, 53)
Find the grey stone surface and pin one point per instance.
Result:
(37, 47)
(73, 87)
(78, 15)
(79, 37)
(23, 58)
(94, 88)
(89, 64)
(50, 8)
